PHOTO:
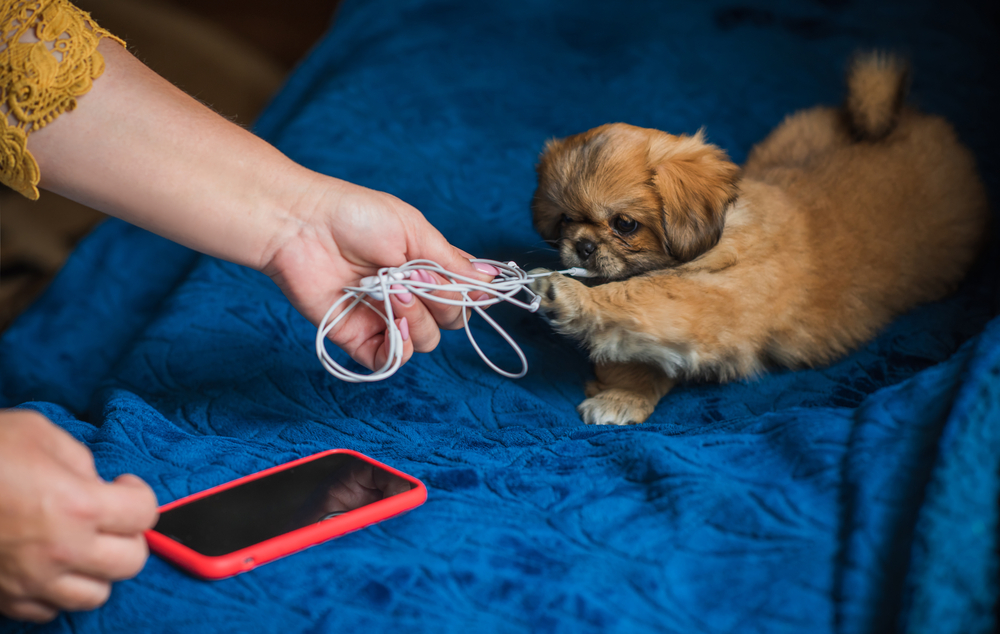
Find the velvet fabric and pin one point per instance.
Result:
(859, 497)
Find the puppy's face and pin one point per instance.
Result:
(620, 200)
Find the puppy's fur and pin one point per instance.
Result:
(840, 220)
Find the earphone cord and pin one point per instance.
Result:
(396, 280)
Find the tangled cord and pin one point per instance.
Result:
(389, 281)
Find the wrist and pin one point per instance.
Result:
(294, 211)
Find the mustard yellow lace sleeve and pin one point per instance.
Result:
(48, 58)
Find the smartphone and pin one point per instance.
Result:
(242, 524)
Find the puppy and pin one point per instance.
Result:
(840, 220)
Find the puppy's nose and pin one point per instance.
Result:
(584, 248)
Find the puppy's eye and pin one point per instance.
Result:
(625, 225)
(565, 219)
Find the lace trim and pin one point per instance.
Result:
(48, 58)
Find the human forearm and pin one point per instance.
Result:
(139, 149)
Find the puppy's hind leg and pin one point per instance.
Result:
(624, 393)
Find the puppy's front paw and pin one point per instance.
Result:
(562, 301)
(615, 407)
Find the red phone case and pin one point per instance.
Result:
(248, 558)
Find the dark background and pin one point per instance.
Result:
(282, 31)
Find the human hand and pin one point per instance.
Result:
(65, 534)
(345, 232)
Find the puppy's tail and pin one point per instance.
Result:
(877, 84)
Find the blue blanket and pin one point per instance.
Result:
(857, 497)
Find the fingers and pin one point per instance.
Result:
(433, 246)
(28, 610)
(374, 352)
(113, 557)
(126, 506)
(446, 315)
(421, 325)
(81, 570)
(451, 317)
(362, 334)
(113, 546)
(443, 315)
(66, 537)
(73, 591)
(68, 591)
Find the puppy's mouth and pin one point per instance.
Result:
(599, 266)
(604, 267)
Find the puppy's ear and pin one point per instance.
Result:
(696, 183)
(545, 208)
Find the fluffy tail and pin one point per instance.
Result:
(877, 84)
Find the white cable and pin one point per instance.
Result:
(396, 280)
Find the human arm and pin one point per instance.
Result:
(138, 148)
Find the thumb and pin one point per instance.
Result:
(128, 505)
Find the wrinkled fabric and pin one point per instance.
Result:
(852, 498)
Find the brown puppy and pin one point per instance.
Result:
(840, 220)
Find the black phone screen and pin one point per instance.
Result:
(278, 503)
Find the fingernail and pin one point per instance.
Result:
(480, 297)
(404, 329)
(406, 297)
(488, 269)
(424, 276)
